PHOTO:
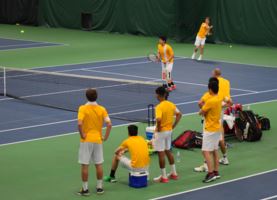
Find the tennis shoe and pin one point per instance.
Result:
(172, 176)
(160, 179)
(224, 161)
(217, 175)
(110, 179)
(209, 178)
(99, 191)
(83, 192)
(202, 168)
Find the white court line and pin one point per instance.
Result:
(146, 77)
(210, 186)
(23, 45)
(65, 134)
(130, 111)
(230, 62)
(28, 40)
(54, 136)
(39, 125)
(268, 198)
(109, 66)
(89, 62)
(35, 47)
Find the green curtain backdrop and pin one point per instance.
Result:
(237, 21)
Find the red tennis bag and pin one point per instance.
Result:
(188, 139)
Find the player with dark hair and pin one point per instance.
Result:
(200, 40)
(165, 113)
(211, 111)
(138, 149)
(224, 95)
(166, 56)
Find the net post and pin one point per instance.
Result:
(4, 82)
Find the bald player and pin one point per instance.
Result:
(201, 38)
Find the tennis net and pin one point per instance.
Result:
(124, 99)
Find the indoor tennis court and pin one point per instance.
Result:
(47, 61)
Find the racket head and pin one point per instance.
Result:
(152, 57)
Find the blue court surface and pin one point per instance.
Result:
(10, 44)
(20, 121)
(260, 186)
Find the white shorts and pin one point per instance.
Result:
(210, 141)
(199, 41)
(126, 163)
(90, 152)
(167, 71)
(162, 141)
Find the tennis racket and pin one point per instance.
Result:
(153, 57)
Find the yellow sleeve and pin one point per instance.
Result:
(207, 106)
(124, 144)
(205, 97)
(158, 113)
(81, 114)
(158, 48)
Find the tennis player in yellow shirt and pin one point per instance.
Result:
(211, 111)
(91, 117)
(201, 38)
(224, 95)
(165, 112)
(138, 149)
(166, 56)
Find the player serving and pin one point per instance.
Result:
(204, 30)
(166, 56)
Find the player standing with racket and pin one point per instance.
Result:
(166, 56)
(200, 40)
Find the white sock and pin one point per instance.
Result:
(99, 184)
(225, 155)
(200, 57)
(164, 173)
(85, 185)
(193, 55)
(173, 169)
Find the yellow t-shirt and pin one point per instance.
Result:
(92, 117)
(138, 149)
(165, 52)
(213, 108)
(166, 111)
(203, 31)
(224, 88)
(206, 96)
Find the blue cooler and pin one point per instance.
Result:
(138, 179)
(149, 132)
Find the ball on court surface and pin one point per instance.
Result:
(17, 24)
(22, 31)
(230, 46)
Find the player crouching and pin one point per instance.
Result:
(138, 149)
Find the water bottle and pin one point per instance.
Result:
(178, 157)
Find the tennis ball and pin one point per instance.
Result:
(17, 24)
(230, 46)
(22, 31)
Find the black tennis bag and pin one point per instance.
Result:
(264, 122)
(249, 124)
